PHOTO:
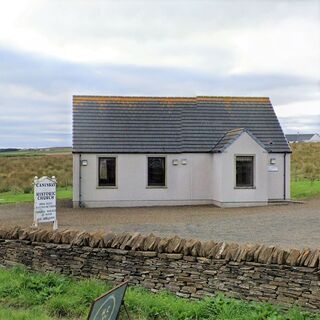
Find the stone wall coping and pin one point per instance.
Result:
(172, 248)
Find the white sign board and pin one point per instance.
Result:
(45, 200)
(273, 169)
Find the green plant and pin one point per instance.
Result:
(25, 296)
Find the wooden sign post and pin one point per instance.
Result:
(45, 195)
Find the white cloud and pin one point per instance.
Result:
(53, 49)
(27, 92)
(211, 36)
(297, 109)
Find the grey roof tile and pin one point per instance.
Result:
(161, 124)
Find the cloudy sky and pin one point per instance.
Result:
(51, 50)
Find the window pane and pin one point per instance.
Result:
(103, 169)
(107, 171)
(244, 171)
(156, 171)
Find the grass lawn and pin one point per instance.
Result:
(305, 189)
(11, 197)
(33, 296)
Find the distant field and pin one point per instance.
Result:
(17, 172)
(305, 161)
(305, 170)
(35, 152)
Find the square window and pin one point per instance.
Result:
(156, 171)
(107, 172)
(244, 171)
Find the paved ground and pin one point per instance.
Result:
(293, 225)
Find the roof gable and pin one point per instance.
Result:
(232, 136)
(170, 124)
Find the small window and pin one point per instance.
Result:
(156, 171)
(107, 172)
(244, 171)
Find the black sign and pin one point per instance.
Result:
(107, 307)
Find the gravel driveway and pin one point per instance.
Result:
(293, 225)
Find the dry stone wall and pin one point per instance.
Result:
(188, 268)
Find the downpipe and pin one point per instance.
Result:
(284, 176)
(80, 177)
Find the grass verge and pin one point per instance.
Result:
(12, 197)
(302, 189)
(25, 295)
(305, 189)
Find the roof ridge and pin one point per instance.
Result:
(196, 100)
(171, 97)
(236, 129)
(134, 97)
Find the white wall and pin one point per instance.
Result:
(276, 178)
(186, 184)
(225, 174)
(75, 178)
(206, 178)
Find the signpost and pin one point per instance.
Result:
(45, 201)
(107, 307)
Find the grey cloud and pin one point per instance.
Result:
(305, 124)
(143, 21)
(37, 109)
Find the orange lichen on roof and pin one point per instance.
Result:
(233, 99)
(131, 99)
(78, 100)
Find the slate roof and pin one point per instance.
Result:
(232, 135)
(299, 137)
(108, 124)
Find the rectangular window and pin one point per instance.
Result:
(244, 171)
(107, 172)
(156, 171)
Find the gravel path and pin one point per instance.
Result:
(293, 225)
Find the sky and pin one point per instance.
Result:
(51, 50)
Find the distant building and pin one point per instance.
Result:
(151, 151)
(312, 137)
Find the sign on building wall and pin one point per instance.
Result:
(107, 307)
(273, 168)
(45, 201)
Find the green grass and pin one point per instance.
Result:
(35, 152)
(305, 189)
(25, 295)
(302, 189)
(12, 197)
